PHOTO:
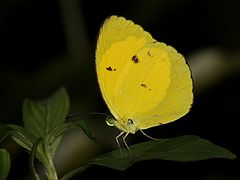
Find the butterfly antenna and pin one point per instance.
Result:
(125, 143)
(119, 147)
(79, 114)
(148, 135)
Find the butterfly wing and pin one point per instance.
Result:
(176, 80)
(116, 29)
(118, 40)
(140, 79)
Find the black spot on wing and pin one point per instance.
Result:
(110, 68)
(135, 59)
(149, 54)
(145, 86)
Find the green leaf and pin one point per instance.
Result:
(62, 128)
(4, 164)
(58, 108)
(183, 148)
(40, 117)
(21, 136)
(75, 171)
(84, 126)
(79, 120)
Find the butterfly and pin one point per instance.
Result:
(145, 83)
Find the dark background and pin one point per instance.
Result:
(47, 44)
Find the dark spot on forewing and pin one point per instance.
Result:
(145, 86)
(110, 68)
(149, 54)
(135, 59)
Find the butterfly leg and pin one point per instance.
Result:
(148, 135)
(119, 147)
(125, 143)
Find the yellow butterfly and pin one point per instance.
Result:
(144, 83)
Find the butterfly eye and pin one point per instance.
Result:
(130, 121)
(110, 121)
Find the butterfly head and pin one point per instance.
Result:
(127, 126)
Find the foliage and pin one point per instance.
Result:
(4, 164)
(45, 123)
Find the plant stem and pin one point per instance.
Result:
(49, 165)
(51, 171)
